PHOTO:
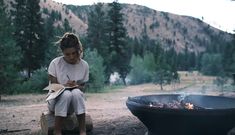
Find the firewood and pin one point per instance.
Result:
(70, 124)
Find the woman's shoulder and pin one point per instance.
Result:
(84, 62)
(57, 59)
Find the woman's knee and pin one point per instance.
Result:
(77, 92)
(66, 95)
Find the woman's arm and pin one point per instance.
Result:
(52, 79)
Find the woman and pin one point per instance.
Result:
(69, 70)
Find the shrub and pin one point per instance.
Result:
(140, 73)
(35, 84)
(96, 76)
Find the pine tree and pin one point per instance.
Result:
(96, 29)
(172, 61)
(211, 64)
(186, 58)
(137, 47)
(97, 34)
(51, 51)
(163, 73)
(67, 27)
(9, 53)
(19, 20)
(29, 34)
(120, 51)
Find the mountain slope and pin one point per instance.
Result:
(75, 22)
(171, 30)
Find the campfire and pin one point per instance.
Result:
(173, 105)
(175, 114)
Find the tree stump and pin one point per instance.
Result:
(70, 124)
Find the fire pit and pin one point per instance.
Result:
(168, 114)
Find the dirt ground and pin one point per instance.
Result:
(108, 110)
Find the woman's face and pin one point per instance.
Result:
(71, 55)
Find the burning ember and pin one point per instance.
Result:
(188, 106)
(173, 105)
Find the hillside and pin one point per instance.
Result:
(171, 30)
(75, 22)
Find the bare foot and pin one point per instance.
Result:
(58, 133)
(82, 133)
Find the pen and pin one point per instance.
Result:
(68, 77)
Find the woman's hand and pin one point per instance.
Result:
(75, 84)
(70, 83)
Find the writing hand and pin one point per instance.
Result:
(70, 83)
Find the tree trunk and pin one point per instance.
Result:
(70, 124)
(161, 86)
(124, 81)
(233, 78)
(29, 73)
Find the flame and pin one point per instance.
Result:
(172, 105)
(189, 106)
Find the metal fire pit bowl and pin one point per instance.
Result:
(215, 115)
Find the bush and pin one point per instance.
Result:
(139, 72)
(96, 76)
(35, 84)
(8, 79)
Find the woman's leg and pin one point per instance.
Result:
(82, 123)
(78, 104)
(61, 106)
(58, 125)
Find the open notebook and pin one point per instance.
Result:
(56, 89)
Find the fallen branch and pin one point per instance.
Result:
(11, 131)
